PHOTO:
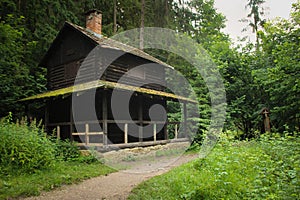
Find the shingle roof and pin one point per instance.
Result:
(106, 42)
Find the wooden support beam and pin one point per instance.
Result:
(90, 133)
(165, 129)
(126, 133)
(185, 119)
(71, 121)
(176, 131)
(104, 116)
(87, 139)
(140, 115)
(58, 132)
(154, 132)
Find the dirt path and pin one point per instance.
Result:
(116, 185)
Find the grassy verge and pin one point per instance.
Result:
(32, 161)
(59, 174)
(268, 168)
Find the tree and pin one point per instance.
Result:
(256, 11)
(115, 16)
(142, 24)
(280, 78)
(201, 21)
(15, 78)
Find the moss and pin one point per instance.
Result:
(107, 84)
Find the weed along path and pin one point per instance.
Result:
(119, 184)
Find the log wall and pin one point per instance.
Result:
(67, 57)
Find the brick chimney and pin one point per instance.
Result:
(94, 21)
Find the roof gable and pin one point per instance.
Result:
(95, 39)
(66, 31)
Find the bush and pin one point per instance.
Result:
(26, 148)
(265, 168)
(66, 150)
(23, 148)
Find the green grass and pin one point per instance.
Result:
(268, 168)
(32, 161)
(44, 180)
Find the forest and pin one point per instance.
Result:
(257, 75)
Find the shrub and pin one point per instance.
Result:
(264, 168)
(23, 148)
(66, 150)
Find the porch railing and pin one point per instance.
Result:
(87, 132)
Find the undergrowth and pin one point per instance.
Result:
(266, 168)
(31, 161)
(24, 149)
(61, 173)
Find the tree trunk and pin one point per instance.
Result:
(166, 13)
(142, 25)
(115, 17)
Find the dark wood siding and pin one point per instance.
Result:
(69, 55)
(138, 72)
(65, 58)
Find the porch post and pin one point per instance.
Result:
(104, 116)
(71, 121)
(87, 139)
(140, 115)
(184, 119)
(166, 130)
(125, 133)
(154, 132)
(57, 132)
(176, 131)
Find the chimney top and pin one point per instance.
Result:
(94, 21)
(87, 13)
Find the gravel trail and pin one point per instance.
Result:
(115, 185)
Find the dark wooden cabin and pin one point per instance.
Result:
(70, 56)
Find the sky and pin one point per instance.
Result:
(234, 10)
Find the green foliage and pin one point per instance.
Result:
(264, 169)
(26, 30)
(280, 76)
(256, 12)
(66, 150)
(13, 75)
(24, 148)
(61, 173)
(256, 76)
(31, 162)
(266, 77)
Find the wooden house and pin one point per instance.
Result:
(68, 53)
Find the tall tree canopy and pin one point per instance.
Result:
(280, 75)
(267, 77)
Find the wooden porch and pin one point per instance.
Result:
(83, 136)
